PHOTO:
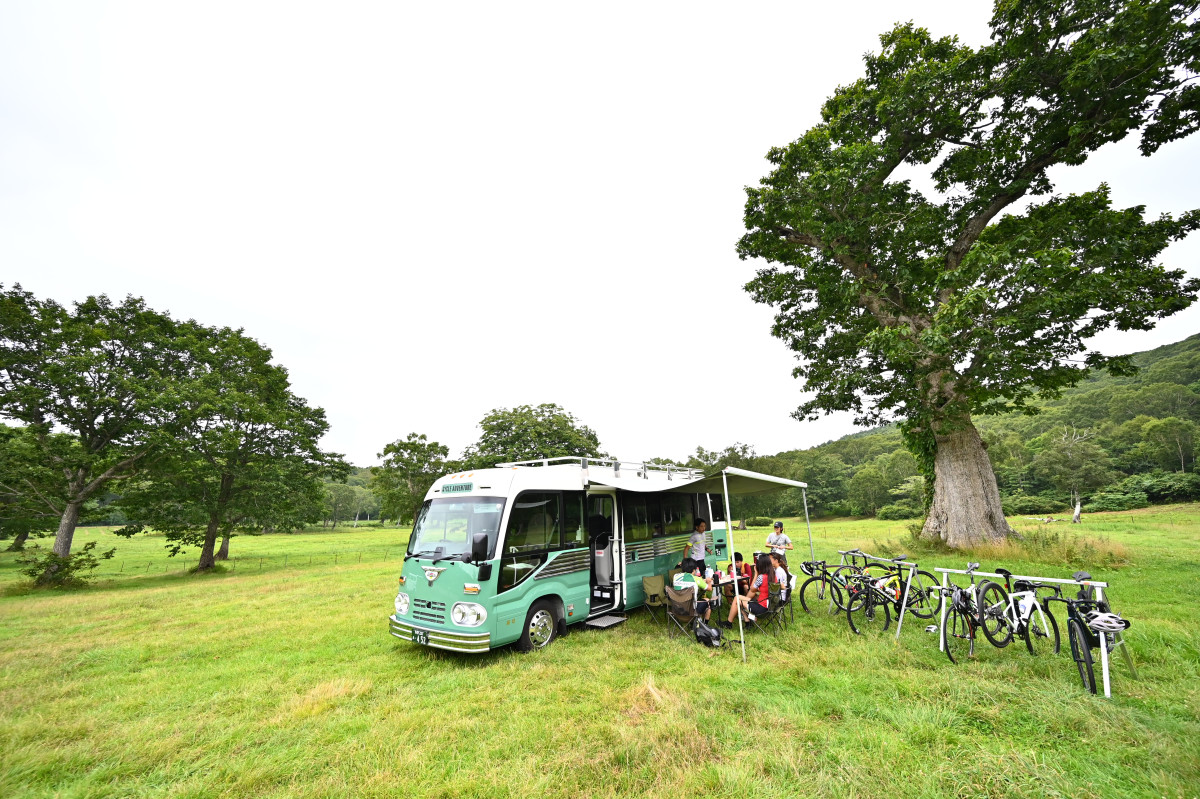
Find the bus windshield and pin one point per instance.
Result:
(445, 526)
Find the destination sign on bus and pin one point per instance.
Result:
(458, 488)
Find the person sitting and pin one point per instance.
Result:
(755, 604)
(779, 570)
(692, 576)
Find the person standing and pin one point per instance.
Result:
(696, 550)
(779, 542)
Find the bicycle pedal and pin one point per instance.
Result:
(932, 628)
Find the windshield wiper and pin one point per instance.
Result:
(426, 553)
(457, 556)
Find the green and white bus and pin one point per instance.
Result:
(514, 554)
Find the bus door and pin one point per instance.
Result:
(602, 535)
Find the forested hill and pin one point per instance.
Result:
(1118, 442)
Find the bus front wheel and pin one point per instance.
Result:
(541, 627)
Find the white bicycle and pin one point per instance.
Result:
(1014, 610)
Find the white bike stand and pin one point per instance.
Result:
(1118, 639)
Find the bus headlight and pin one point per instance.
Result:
(401, 604)
(468, 614)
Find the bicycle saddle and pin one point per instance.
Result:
(1081, 576)
(899, 558)
(1004, 572)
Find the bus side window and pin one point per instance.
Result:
(716, 503)
(633, 512)
(534, 525)
(574, 534)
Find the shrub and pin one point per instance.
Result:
(1163, 486)
(1112, 500)
(899, 510)
(759, 521)
(47, 569)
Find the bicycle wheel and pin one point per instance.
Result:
(1041, 638)
(993, 614)
(1082, 654)
(924, 595)
(869, 616)
(816, 593)
(959, 631)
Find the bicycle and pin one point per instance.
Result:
(825, 586)
(1014, 611)
(869, 604)
(922, 587)
(1090, 622)
(962, 618)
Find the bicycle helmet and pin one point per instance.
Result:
(1106, 622)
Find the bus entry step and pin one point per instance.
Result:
(603, 622)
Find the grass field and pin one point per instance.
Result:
(281, 680)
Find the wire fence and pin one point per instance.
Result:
(132, 566)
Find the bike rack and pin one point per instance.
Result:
(1118, 640)
(907, 583)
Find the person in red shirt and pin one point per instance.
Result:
(755, 604)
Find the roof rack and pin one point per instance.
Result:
(640, 468)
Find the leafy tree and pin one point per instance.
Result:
(108, 374)
(339, 502)
(1073, 464)
(931, 309)
(738, 455)
(528, 432)
(1173, 438)
(31, 498)
(867, 491)
(410, 465)
(246, 455)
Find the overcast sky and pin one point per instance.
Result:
(431, 210)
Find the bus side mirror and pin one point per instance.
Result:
(479, 547)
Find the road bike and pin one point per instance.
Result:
(825, 587)
(1091, 624)
(962, 618)
(918, 592)
(1014, 610)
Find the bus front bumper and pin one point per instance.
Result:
(440, 639)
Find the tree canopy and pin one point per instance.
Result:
(410, 465)
(930, 307)
(527, 432)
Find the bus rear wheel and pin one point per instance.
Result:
(541, 627)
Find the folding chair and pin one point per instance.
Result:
(656, 595)
(681, 609)
(771, 617)
(785, 600)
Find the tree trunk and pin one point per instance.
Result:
(1078, 510)
(355, 525)
(207, 554)
(18, 544)
(223, 552)
(965, 510)
(66, 528)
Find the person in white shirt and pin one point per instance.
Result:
(695, 548)
(779, 542)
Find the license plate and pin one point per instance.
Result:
(420, 637)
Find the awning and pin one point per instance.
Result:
(742, 482)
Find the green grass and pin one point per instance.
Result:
(284, 682)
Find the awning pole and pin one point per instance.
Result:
(808, 524)
(729, 538)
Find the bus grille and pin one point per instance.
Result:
(424, 610)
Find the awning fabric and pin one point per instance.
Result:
(742, 482)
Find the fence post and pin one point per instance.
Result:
(260, 564)
(285, 561)
(147, 568)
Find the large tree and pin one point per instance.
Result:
(106, 374)
(247, 454)
(31, 493)
(528, 432)
(931, 306)
(410, 466)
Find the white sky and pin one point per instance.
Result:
(431, 210)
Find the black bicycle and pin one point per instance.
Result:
(1091, 624)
